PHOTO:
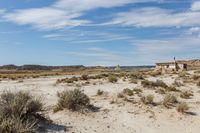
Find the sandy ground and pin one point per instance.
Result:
(121, 117)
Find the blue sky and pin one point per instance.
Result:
(98, 32)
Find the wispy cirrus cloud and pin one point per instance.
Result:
(62, 13)
(158, 17)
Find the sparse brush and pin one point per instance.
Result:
(183, 74)
(134, 81)
(182, 107)
(160, 91)
(112, 79)
(99, 92)
(152, 84)
(148, 99)
(128, 92)
(155, 73)
(186, 94)
(160, 83)
(169, 100)
(198, 83)
(171, 88)
(72, 100)
(177, 84)
(120, 95)
(137, 90)
(196, 77)
(84, 77)
(19, 112)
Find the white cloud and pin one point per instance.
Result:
(196, 6)
(157, 17)
(151, 51)
(62, 13)
(2, 11)
(45, 18)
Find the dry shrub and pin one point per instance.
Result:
(155, 73)
(128, 92)
(196, 77)
(171, 88)
(19, 112)
(151, 84)
(148, 99)
(73, 100)
(112, 79)
(120, 95)
(169, 100)
(198, 83)
(137, 91)
(99, 92)
(160, 91)
(183, 74)
(186, 94)
(177, 84)
(134, 81)
(84, 77)
(182, 108)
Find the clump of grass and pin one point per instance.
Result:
(19, 112)
(67, 80)
(186, 94)
(128, 92)
(73, 100)
(112, 79)
(169, 100)
(182, 108)
(99, 92)
(148, 99)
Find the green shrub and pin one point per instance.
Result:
(19, 112)
(169, 100)
(182, 108)
(72, 100)
(148, 99)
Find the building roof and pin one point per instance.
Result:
(172, 62)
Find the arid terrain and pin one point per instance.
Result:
(125, 102)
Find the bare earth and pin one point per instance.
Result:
(120, 117)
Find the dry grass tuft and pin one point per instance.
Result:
(169, 100)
